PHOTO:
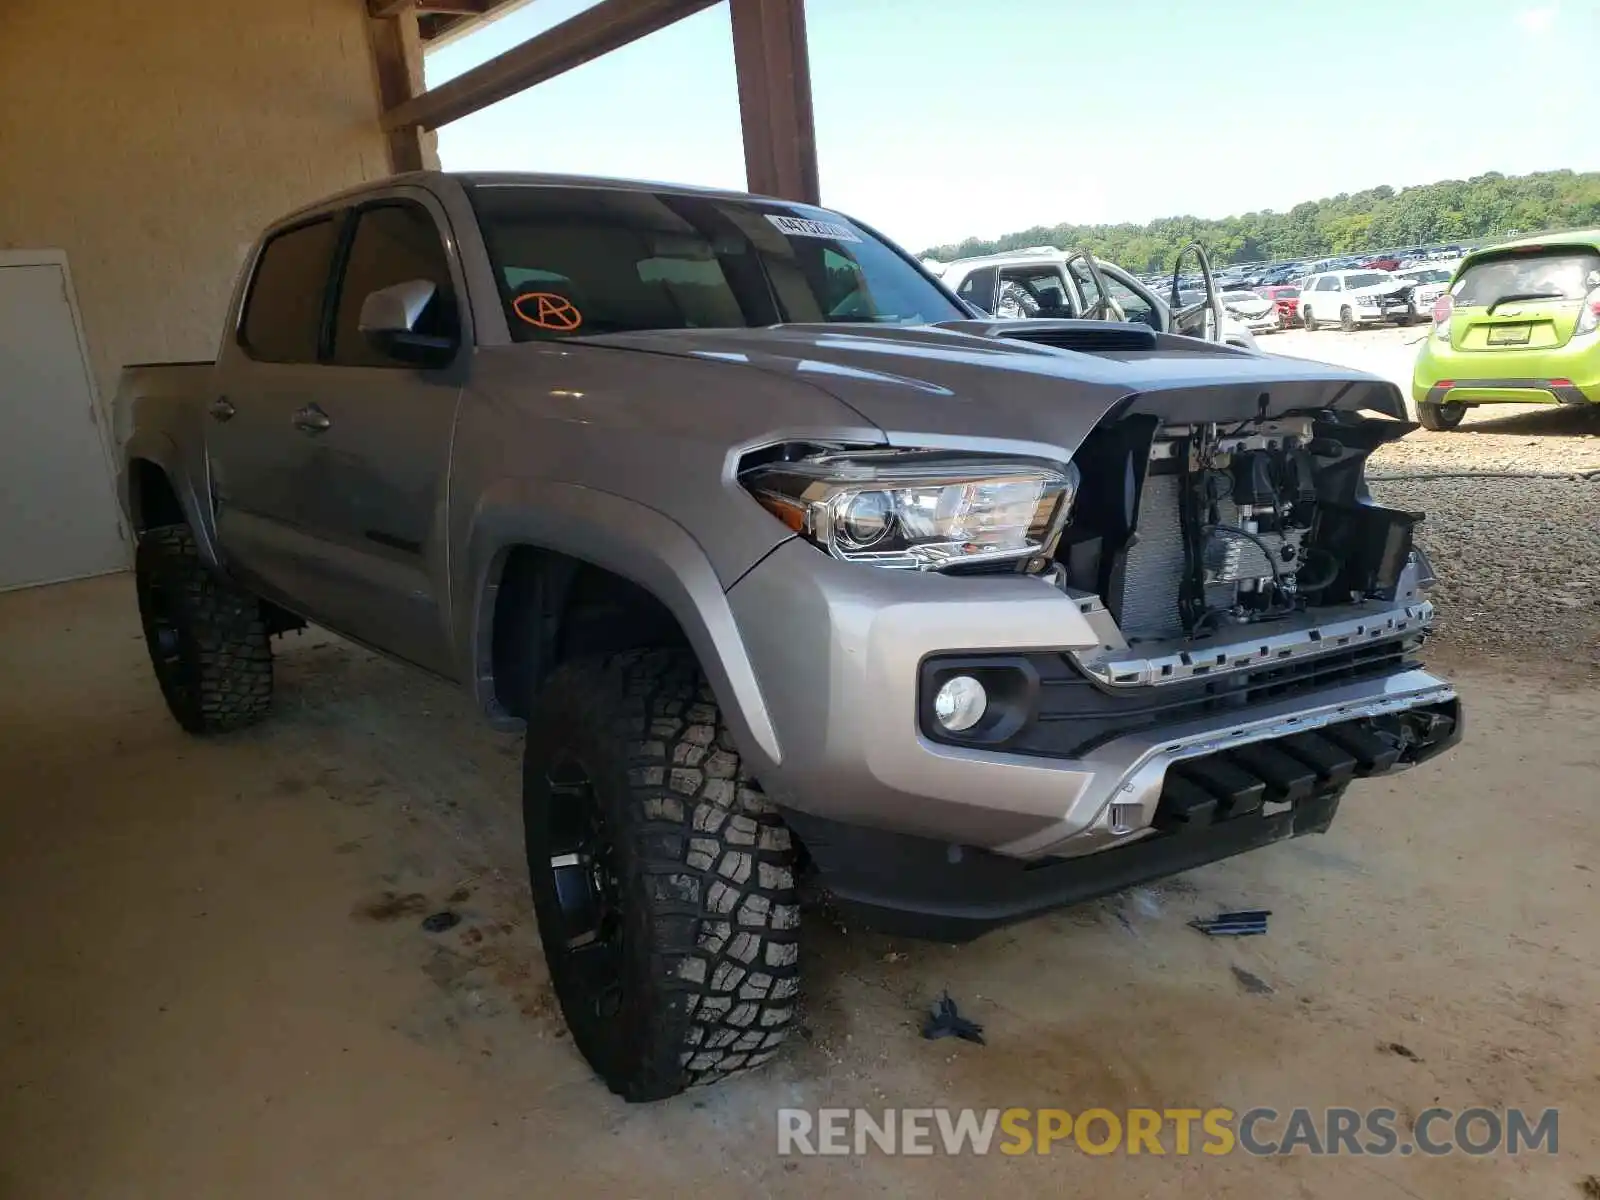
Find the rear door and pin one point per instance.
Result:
(1034, 292)
(377, 440)
(1523, 298)
(267, 371)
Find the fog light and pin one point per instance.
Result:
(960, 703)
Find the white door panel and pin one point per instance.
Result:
(60, 518)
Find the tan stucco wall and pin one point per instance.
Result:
(151, 139)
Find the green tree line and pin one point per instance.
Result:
(1485, 206)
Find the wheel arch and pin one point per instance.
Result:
(544, 555)
(156, 491)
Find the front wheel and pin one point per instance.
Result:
(663, 879)
(207, 639)
(1347, 319)
(1441, 417)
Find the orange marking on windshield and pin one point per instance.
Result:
(552, 311)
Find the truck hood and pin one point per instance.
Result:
(973, 384)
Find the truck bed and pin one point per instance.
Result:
(155, 382)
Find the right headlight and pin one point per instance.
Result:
(919, 509)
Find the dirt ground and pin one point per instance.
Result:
(216, 982)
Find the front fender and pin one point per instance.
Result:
(633, 541)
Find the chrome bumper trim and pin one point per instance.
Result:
(1121, 669)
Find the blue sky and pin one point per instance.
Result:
(938, 119)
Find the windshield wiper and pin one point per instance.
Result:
(1499, 300)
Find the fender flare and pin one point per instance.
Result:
(630, 540)
(161, 451)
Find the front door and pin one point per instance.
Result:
(378, 443)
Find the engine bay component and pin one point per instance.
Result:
(1233, 526)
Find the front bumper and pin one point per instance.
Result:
(840, 648)
(1214, 808)
(1384, 312)
(1567, 374)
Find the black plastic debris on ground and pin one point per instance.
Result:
(440, 921)
(1244, 923)
(945, 1020)
(1251, 982)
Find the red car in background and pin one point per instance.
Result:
(1287, 301)
(1384, 262)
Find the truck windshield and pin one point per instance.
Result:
(574, 261)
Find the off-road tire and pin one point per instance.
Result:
(1441, 418)
(1306, 319)
(207, 638)
(700, 864)
(1347, 319)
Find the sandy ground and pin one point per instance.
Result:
(216, 983)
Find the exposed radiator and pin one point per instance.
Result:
(1154, 570)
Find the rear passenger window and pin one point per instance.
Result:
(980, 288)
(393, 243)
(283, 314)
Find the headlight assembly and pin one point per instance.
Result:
(919, 509)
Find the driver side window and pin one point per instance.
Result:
(393, 243)
(1134, 306)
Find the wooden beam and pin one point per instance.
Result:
(599, 30)
(380, 9)
(774, 70)
(397, 62)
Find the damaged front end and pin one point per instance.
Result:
(1218, 549)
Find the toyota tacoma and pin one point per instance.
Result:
(794, 569)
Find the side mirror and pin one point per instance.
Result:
(389, 318)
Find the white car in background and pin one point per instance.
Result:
(1255, 313)
(1351, 299)
(1431, 281)
(1045, 281)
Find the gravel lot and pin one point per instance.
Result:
(1518, 558)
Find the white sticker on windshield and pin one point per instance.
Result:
(801, 227)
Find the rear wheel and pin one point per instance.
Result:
(207, 639)
(1347, 319)
(1441, 417)
(1306, 319)
(663, 879)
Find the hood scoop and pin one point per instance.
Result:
(1086, 337)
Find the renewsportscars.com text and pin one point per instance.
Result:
(1260, 1131)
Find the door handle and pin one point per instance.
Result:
(311, 419)
(222, 408)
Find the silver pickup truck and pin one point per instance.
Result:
(794, 569)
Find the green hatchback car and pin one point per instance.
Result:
(1518, 326)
